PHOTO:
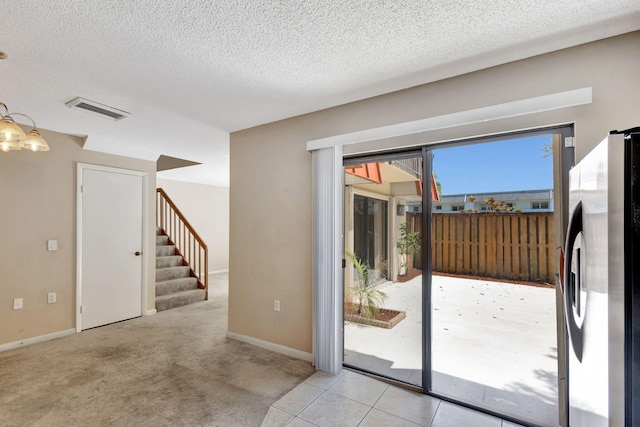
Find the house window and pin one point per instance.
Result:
(457, 208)
(438, 208)
(540, 205)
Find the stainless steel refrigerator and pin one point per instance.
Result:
(601, 284)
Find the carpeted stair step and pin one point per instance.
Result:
(170, 273)
(168, 261)
(165, 302)
(162, 240)
(176, 285)
(165, 250)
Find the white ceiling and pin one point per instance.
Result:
(191, 71)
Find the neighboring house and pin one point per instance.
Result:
(520, 201)
(376, 195)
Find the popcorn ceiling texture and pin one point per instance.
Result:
(194, 70)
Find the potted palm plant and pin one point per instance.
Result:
(363, 295)
(363, 302)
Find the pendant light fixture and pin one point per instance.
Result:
(12, 137)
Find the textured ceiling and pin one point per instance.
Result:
(191, 71)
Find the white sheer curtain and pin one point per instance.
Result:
(327, 259)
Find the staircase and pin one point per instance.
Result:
(175, 284)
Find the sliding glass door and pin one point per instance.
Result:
(451, 268)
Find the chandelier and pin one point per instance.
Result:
(12, 137)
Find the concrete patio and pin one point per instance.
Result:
(494, 344)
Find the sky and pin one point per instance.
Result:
(496, 166)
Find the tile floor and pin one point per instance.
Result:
(351, 399)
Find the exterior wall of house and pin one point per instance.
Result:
(38, 203)
(207, 209)
(270, 201)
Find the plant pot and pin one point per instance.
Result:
(402, 263)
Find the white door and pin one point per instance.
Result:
(111, 240)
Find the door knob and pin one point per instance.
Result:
(138, 253)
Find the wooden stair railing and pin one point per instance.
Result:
(188, 243)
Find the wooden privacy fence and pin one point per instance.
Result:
(514, 246)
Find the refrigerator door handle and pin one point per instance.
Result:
(572, 281)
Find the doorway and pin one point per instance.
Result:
(110, 245)
(370, 235)
(480, 296)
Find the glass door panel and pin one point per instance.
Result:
(383, 283)
(493, 299)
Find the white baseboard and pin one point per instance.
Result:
(150, 312)
(218, 272)
(34, 340)
(272, 346)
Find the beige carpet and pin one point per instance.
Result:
(176, 368)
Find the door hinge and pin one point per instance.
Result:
(569, 141)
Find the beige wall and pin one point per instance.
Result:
(207, 209)
(38, 203)
(270, 201)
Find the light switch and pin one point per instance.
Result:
(52, 245)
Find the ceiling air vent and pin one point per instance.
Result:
(95, 107)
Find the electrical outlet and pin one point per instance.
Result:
(51, 297)
(17, 303)
(276, 305)
(52, 245)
